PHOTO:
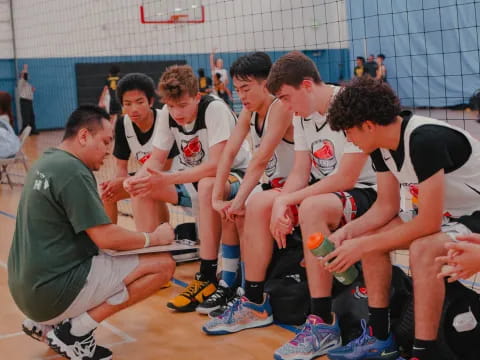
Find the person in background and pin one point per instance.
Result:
(381, 69)
(25, 91)
(108, 99)
(216, 67)
(359, 70)
(371, 66)
(9, 142)
(222, 91)
(204, 83)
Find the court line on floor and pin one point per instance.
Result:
(7, 215)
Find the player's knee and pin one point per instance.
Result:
(313, 208)
(260, 203)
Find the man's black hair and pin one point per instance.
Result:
(256, 65)
(85, 116)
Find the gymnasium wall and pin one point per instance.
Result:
(432, 46)
(52, 36)
(7, 67)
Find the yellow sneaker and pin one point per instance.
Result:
(195, 293)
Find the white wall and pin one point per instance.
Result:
(6, 43)
(59, 28)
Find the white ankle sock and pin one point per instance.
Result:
(82, 325)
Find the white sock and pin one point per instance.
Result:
(82, 325)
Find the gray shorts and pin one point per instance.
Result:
(104, 283)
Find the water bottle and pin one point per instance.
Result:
(320, 246)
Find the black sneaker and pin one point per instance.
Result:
(35, 330)
(74, 347)
(213, 314)
(219, 298)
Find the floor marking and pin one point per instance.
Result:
(7, 214)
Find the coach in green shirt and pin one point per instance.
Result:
(57, 275)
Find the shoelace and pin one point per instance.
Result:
(365, 335)
(217, 294)
(304, 333)
(86, 347)
(231, 309)
(193, 289)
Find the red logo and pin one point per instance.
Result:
(192, 152)
(360, 292)
(144, 158)
(323, 156)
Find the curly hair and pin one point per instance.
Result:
(363, 99)
(176, 81)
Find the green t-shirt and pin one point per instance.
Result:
(51, 253)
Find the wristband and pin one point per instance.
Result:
(147, 239)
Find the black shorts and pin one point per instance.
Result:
(470, 221)
(356, 202)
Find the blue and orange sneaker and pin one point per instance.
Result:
(316, 338)
(365, 347)
(241, 315)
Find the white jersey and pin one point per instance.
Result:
(462, 186)
(214, 123)
(326, 147)
(140, 152)
(281, 162)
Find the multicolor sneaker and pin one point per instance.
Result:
(314, 339)
(218, 299)
(35, 330)
(239, 293)
(61, 340)
(366, 346)
(195, 293)
(242, 315)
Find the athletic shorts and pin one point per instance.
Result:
(188, 193)
(463, 225)
(104, 283)
(356, 202)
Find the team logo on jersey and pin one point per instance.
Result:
(323, 156)
(142, 156)
(192, 152)
(271, 166)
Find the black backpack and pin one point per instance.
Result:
(287, 283)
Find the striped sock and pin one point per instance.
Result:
(231, 258)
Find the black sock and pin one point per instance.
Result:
(208, 269)
(380, 322)
(322, 307)
(254, 291)
(424, 349)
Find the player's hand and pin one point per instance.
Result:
(462, 259)
(339, 236)
(109, 190)
(235, 210)
(221, 206)
(344, 256)
(163, 234)
(282, 229)
(138, 186)
(279, 219)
